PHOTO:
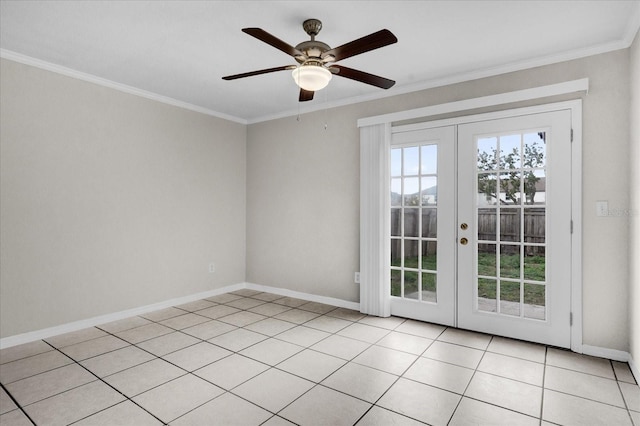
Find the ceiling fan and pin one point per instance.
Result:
(316, 59)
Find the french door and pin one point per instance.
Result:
(481, 226)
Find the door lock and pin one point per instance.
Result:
(464, 226)
(463, 241)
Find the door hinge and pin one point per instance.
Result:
(571, 135)
(570, 318)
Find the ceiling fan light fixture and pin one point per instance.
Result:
(311, 77)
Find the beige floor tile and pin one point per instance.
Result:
(277, 421)
(583, 385)
(15, 418)
(623, 372)
(578, 362)
(566, 409)
(91, 348)
(184, 321)
(342, 347)
(389, 323)
(471, 412)
(177, 397)
(364, 332)
(405, 342)
(512, 368)
(231, 371)
(224, 298)
(377, 416)
(296, 316)
(246, 303)
(311, 365)
(242, 318)
(518, 349)
(270, 326)
(422, 329)
(218, 311)
(318, 308)
(267, 297)
(6, 403)
(196, 356)
(246, 292)
(226, 409)
(440, 374)
(209, 330)
(124, 324)
(271, 351)
(143, 377)
(269, 309)
(17, 352)
(74, 404)
(323, 406)
(36, 364)
(631, 394)
(125, 413)
(196, 305)
(346, 314)
(168, 343)
(465, 338)
(292, 302)
(238, 339)
(112, 362)
(145, 332)
(273, 390)
(303, 336)
(635, 416)
(52, 382)
(385, 359)
(506, 393)
(328, 324)
(75, 337)
(454, 354)
(408, 398)
(163, 314)
(360, 381)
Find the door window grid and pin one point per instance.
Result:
(511, 224)
(414, 222)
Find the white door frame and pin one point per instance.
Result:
(575, 106)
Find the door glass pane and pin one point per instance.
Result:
(487, 260)
(396, 192)
(535, 305)
(429, 287)
(429, 223)
(429, 191)
(510, 225)
(510, 298)
(411, 222)
(487, 189)
(535, 223)
(534, 149)
(429, 159)
(411, 285)
(429, 255)
(535, 187)
(534, 263)
(411, 161)
(510, 192)
(396, 225)
(509, 261)
(411, 191)
(396, 282)
(487, 228)
(487, 295)
(396, 162)
(510, 152)
(396, 253)
(487, 153)
(411, 254)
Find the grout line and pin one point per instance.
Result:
(19, 407)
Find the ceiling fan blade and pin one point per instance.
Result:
(272, 40)
(252, 73)
(305, 95)
(372, 41)
(362, 76)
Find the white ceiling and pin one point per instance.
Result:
(179, 50)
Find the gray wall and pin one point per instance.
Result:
(303, 190)
(634, 211)
(110, 201)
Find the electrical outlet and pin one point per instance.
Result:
(356, 278)
(212, 267)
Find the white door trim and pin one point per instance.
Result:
(576, 181)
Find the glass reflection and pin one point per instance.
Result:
(411, 161)
(429, 159)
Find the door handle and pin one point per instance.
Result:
(463, 241)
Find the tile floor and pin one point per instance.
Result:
(250, 358)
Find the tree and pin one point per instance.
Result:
(505, 167)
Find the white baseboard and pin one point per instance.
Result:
(612, 354)
(634, 368)
(103, 319)
(306, 296)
